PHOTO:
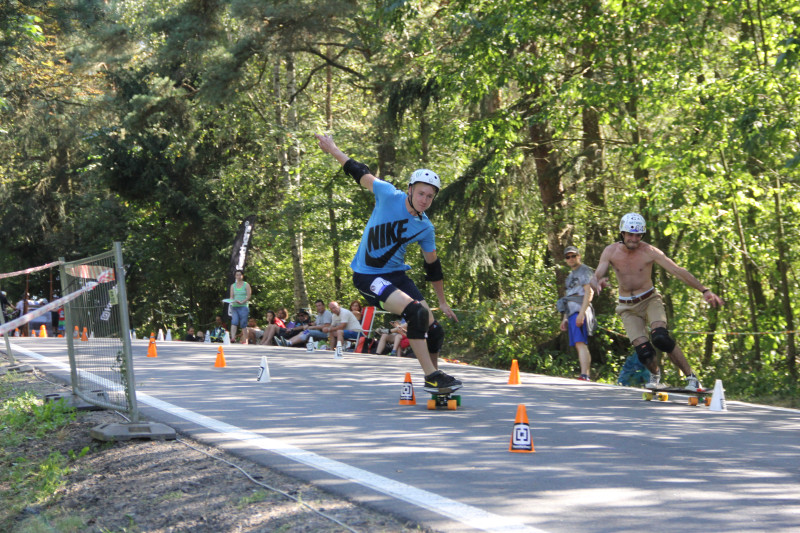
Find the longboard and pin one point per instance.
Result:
(444, 400)
(695, 396)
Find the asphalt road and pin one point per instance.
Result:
(605, 460)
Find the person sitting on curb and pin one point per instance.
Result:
(344, 325)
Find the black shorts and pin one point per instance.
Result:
(377, 287)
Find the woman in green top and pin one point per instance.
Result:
(240, 294)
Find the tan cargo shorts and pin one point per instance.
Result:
(637, 317)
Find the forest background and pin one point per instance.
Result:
(163, 123)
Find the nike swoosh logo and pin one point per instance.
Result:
(380, 262)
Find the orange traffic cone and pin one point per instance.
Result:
(84, 335)
(513, 377)
(77, 334)
(151, 349)
(407, 392)
(521, 439)
(43, 331)
(220, 363)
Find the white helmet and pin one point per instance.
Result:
(424, 175)
(632, 223)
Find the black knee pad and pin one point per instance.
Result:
(435, 337)
(646, 352)
(662, 340)
(416, 316)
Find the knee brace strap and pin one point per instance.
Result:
(416, 316)
(662, 340)
(646, 352)
(435, 337)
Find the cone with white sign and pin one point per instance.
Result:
(521, 438)
(407, 392)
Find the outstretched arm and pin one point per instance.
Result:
(685, 276)
(329, 147)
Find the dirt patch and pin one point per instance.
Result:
(170, 486)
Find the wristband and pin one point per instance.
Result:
(705, 291)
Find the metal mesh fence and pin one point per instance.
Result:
(97, 330)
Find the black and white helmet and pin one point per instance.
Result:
(424, 175)
(632, 223)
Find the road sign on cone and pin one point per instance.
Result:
(151, 348)
(718, 398)
(220, 362)
(513, 377)
(407, 392)
(521, 438)
(263, 371)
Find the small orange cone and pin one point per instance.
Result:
(77, 334)
(407, 392)
(151, 349)
(220, 363)
(521, 439)
(84, 335)
(43, 331)
(513, 377)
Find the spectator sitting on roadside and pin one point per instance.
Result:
(344, 325)
(252, 333)
(218, 331)
(190, 336)
(301, 321)
(282, 328)
(317, 330)
(393, 336)
(274, 324)
(356, 309)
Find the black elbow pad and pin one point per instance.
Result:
(433, 271)
(355, 170)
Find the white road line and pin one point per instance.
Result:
(466, 514)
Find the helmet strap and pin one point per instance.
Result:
(411, 202)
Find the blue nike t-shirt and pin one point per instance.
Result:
(389, 230)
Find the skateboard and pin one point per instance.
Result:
(444, 400)
(695, 396)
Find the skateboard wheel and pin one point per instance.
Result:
(647, 396)
(663, 396)
(707, 401)
(431, 404)
(452, 405)
(692, 400)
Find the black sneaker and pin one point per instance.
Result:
(439, 382)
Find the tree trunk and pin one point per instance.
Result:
(334, 230)
(289, 156)
(783, 271)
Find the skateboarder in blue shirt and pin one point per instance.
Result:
(379, 269)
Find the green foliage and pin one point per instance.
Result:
(164, 124)
(28, 415)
